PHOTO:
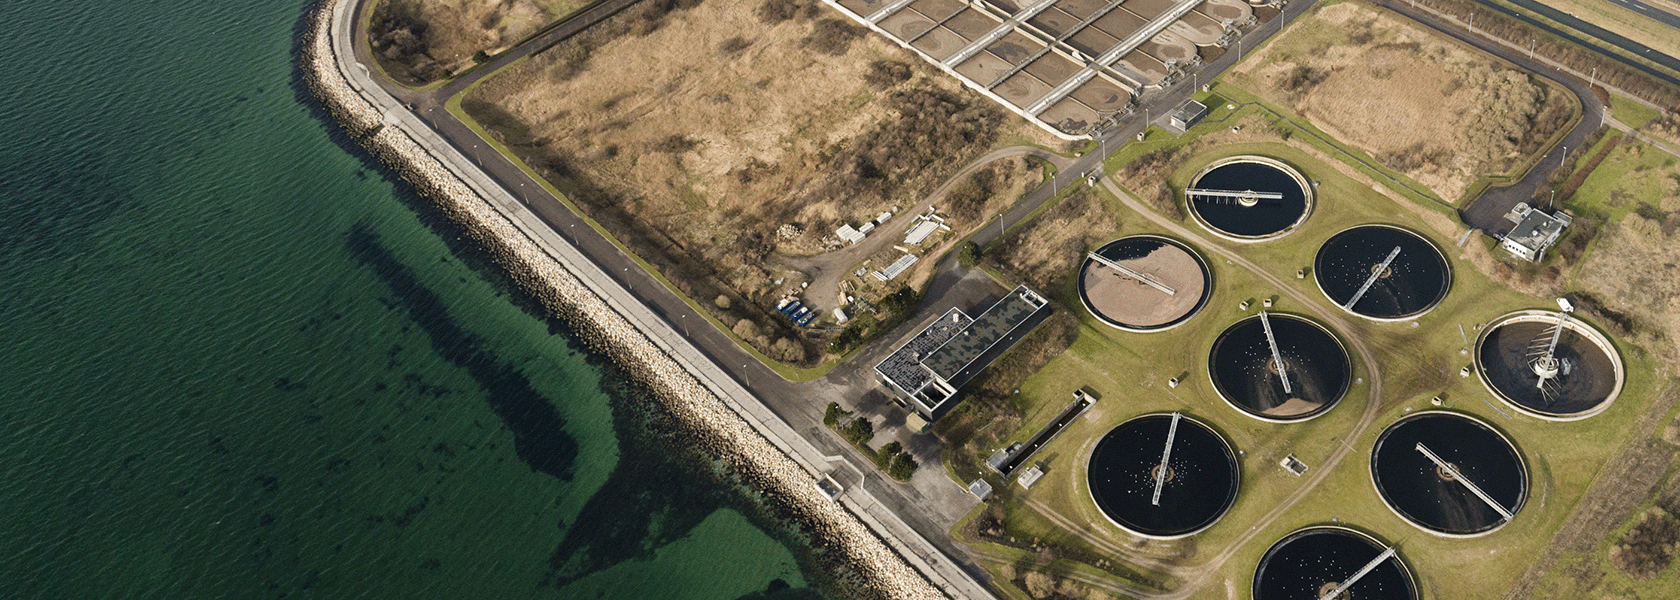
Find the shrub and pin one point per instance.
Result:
(675, 144)
(832, 37)
(903, 466)
(734, 45)
(832, 416)
(1040, 584)
(859, 431)
(884, 74)
(969, 255)
(902, 301)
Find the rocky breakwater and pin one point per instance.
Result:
(852, 548)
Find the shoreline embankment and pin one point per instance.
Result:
(778, 473)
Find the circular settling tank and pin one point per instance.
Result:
(1313, 562)
(1433, 489)
(1176, 283)
(1244, 372)
(1410, 284)
(1527, 363)
(1249, 198)
(1199, 487)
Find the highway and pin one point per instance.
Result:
(1594, 31)
(1662, 16)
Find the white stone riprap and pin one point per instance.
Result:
(712, 424)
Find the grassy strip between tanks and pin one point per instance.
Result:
(1565, 580)
(1630, 113)
(1421, 362)
(786, 372)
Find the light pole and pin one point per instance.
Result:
(1563, 158)
(1531, 48)
(685, 323)
(1592, 80)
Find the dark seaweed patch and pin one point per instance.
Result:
(538, 430)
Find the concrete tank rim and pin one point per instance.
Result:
(1326, 410)
(1577, 324)
(1445, 262)
(1207, 292)
(1230, 452)
(1405, 570)
(1522, 463)
(1300, 180)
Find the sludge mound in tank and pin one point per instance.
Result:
(1450, 474)
(1144, 283)
(1197, 487)
(1314, 374)
(1549, 365)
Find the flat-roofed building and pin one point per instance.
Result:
(929, 368)
(1534, 231)
(1187, 115)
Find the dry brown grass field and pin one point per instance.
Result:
(729, 133)
(417, 41)
(1440, 113)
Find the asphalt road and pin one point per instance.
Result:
(1662, 16)
(1579, 27)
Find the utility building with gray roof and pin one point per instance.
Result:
(953, 349)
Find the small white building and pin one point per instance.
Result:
(1534, 232)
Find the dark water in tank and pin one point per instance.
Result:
(1266, 218)
(1590, 379)
(1202, 486)
(1412, 484)
(1414, 282)
(1300, 565)
(1317, 367)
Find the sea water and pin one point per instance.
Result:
(241, 361)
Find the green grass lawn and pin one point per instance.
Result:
(1418, 363)
(1633, 174)
(1632, 113)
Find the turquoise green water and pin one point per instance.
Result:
(239, 362)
